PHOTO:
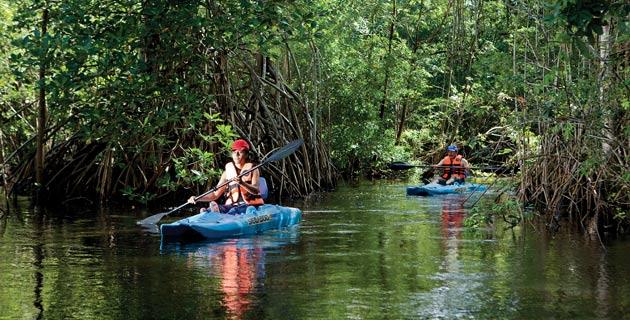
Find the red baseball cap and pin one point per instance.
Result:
(240, 145)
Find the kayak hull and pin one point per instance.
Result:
(212, 225)
(433, 189)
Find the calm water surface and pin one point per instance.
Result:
(362, 252)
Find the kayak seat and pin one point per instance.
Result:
(262, 185)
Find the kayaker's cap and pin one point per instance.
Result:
(240, 145)
(452, 148)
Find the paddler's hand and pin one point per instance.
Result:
(240, 181)
(191, 200)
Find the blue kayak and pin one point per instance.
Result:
(212, 225)
(433, 189)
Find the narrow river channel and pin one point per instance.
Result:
(361, 252)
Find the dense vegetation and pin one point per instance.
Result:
(139, 99)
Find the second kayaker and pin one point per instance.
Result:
(454, 167)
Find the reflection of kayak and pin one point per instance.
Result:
(210, 225)
(432, 189)
(208, 248)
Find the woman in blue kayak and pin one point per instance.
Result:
(454, 166)
(241, 192)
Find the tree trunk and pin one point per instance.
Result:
(392, 26)
(401, 124)
(604, 49)
(42, 112)
(3, 167)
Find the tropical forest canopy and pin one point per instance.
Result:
(138, 100)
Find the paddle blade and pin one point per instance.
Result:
(400, 166)
(285, 151)
(153, 219)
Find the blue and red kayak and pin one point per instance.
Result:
(212, 225)
(433, 189)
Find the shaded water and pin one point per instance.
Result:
(365, 252)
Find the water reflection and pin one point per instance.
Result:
(363, 252)
(239, 268)
(239, 264)
(38, 258)
(453, 216)
(458, 288)
(452, 221)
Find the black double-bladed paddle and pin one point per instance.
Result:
(407, 166)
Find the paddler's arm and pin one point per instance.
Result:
(253, 186)
(466, 166)
(212, 195)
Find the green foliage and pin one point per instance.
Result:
(585, 18)
(13, 124)
(416, 142)
(478, 218)
(132, 75)
(132, 195)
(364, 149)
(621, 215)
(202, 161)
(509, 211)
(144, 79)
